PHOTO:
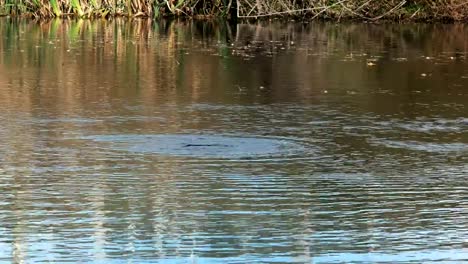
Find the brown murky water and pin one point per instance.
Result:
(191, 142)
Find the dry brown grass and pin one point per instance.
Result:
(372, 10)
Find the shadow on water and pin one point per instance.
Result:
(315, 143)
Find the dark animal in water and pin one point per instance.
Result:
(206, 145)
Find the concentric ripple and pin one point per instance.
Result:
(207, 146)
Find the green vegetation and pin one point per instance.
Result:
(450, 10)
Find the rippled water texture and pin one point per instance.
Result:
(205, 146)
(191, 142)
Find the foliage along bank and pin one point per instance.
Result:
(371, 10)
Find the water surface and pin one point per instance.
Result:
(191, 142)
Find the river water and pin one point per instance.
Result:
(208, 142)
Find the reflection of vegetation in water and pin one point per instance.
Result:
(108, 59)
(66, 67)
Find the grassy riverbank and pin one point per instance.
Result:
(400, 10)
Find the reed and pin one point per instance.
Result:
(76, 5)
(55, 7)
(371, 10)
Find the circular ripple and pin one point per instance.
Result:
(206, 146)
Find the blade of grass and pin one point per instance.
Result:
(55, 8)
(77, 7)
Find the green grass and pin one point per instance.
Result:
(55, 8)
(77, 7)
